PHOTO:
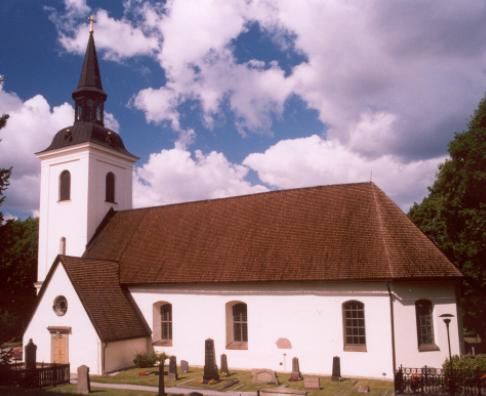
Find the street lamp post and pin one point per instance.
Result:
(447, 320)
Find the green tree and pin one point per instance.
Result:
(453, 215)
(18, 262)
(4, 172)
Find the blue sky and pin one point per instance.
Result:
(221, 98)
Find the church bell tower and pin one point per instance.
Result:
(85, 172)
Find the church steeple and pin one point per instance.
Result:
(89, 96)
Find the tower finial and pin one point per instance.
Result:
(92, 21)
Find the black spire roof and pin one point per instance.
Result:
(89, 99)
(90, 78)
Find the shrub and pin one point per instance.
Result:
(467, 367)
(147, 359)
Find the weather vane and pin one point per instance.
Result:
(92, 21)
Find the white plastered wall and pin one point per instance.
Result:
(443, 298)
(120, 354)
(77, 219)
(308, 314)
(84, 344)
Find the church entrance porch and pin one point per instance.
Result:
(59, 344)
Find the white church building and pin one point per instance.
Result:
(311, 273)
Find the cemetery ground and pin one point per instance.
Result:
(236, 381)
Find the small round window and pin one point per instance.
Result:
(60, 305)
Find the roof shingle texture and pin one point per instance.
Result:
(340, 232)
(109, 306)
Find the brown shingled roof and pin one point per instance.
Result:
(108, 305)
(339, 232)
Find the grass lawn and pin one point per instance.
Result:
(241, 381)
(67, 390)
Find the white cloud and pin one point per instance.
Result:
(117, 38)
(177, 175)
(315, 161)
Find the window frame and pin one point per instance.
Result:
(65, 186)
(425, 329)
(110, 187)
(166, 322)
(237, 325)
(158, 336)
(349, 330)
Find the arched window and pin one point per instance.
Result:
(236, 325)
(65, 186)
(425, 327)
(62, 245)
(110, 187)
(162, 329)
(354, 326)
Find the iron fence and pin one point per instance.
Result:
(44, 374)
(440, 382)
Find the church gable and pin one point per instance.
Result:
(341, 232)
(109, 306)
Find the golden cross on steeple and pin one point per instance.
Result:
(92, 21)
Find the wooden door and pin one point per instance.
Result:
(59, 348)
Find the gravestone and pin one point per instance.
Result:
(184, 366)
(362, 388)
(173, 368)
(312, 382)
(83, 386)
(282, 391)
(224, 365)
(210, 368)
(161, 391)
(263, 376)
(336, 368)
(295, 375)
(30, 355)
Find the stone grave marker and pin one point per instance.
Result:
(263, 376)
(282, 391)
(295, 375)
(173, 368)
(184, 366)
(336, 368)
(30, 355)
(83, 386)
(210, 368)
(312, 382)
(224, 365)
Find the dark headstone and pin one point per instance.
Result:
(336, 368)
(173, 368)
(263, 376)
(210, 368)
(83, 386)
(30, 355)
(295, 375)
(161, 378)
(184, 366)
(312, 382)
(224, 365)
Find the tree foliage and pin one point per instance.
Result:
(18, 263)
(18, 259)
(4, 172)
(454, 215)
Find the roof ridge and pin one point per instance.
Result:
(199, 201)
(61, 256)
(381, 229)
